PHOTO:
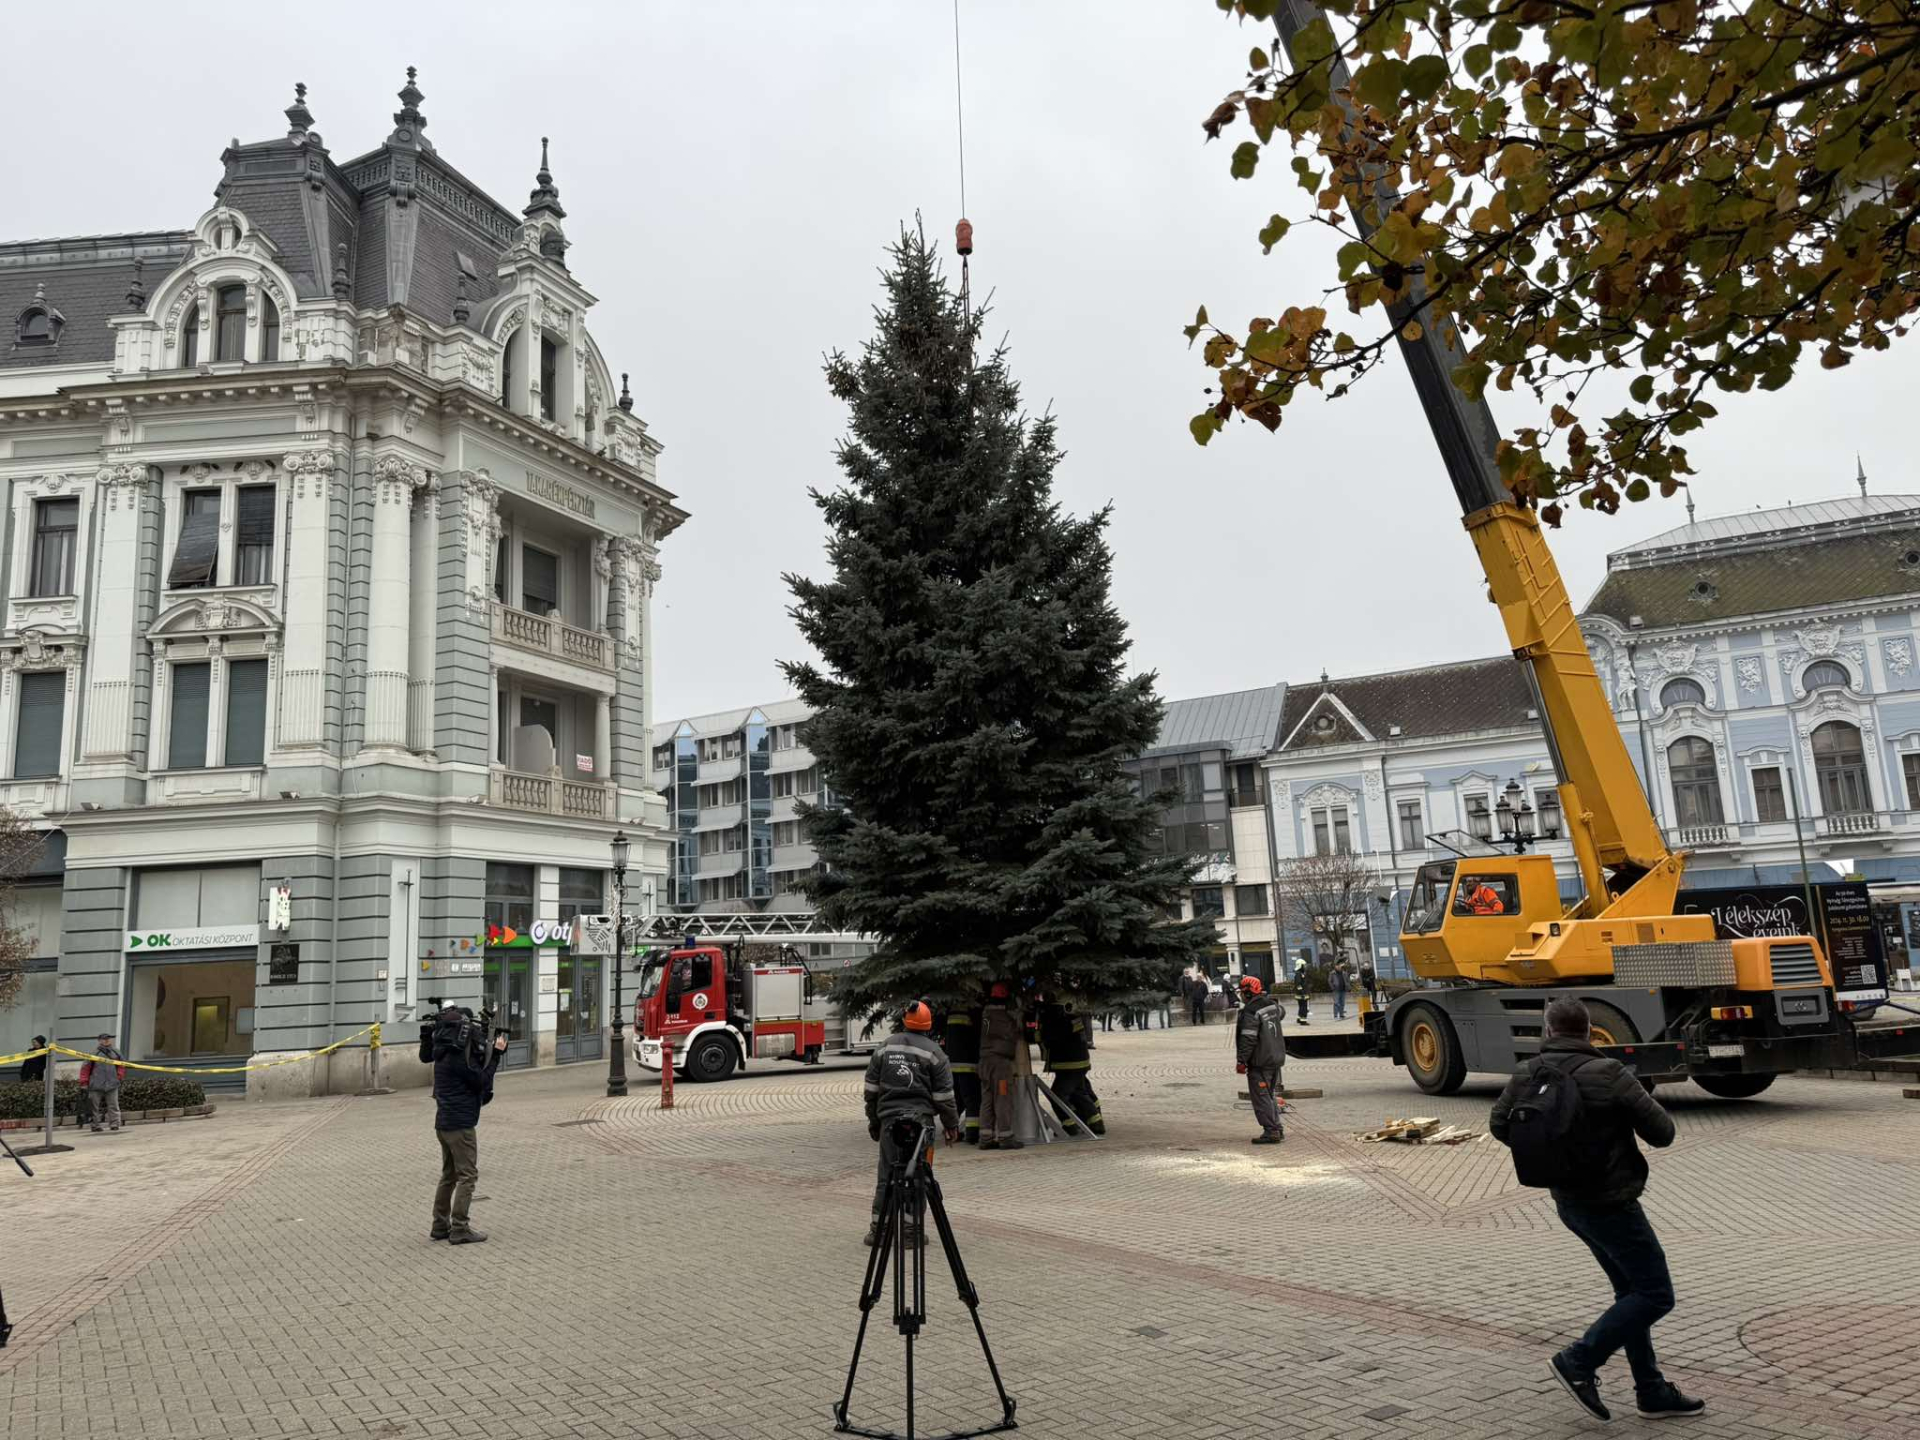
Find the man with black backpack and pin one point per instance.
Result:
(1258, 1053)
(1570, 1116)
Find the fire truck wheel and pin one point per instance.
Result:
(1733, 1087)
(710, 1059)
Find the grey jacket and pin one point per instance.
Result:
(909, 1077)
(103, 1069)
(1256, 1041)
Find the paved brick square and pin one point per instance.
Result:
(693, 1273)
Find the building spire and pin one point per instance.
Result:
(1689, 505)
(299, 118)
(1860, 469)
(545, 198)
(136, 287)
(626, 395)
(408, 122)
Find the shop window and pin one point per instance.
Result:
(253, 536)
(246, 712)
(198, 552)
(1769, 795)
(192, 1010)
(56, 529)
(187, 733)
(36, 739)
(230, 323)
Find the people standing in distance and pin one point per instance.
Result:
(908, 1079)
(100, 1077)
(1000, 1036)
(463, 1069)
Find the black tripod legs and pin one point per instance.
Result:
(902, 1239)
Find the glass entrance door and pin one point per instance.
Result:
(509, 985)
(577, 1030)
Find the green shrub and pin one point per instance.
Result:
(137, 1092)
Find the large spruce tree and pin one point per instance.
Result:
(973, 706)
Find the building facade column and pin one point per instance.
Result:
(123, 584)
(314, 481)
(603, 736)
(424, 531)
(389, 601)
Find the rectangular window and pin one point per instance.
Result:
(1911, 765)
(198, 552)
(1770, 796)
(36, 739)
(1248, 787)
(737, 838)
(539, 581)
(500, 740)
(549, 377)
(709, 842)
(1249, 899)
(1412, 832)
(187, 735)
(1209, 902)
(1331, 832)
(246, 712)
(1322, 834)
(56, 528)
(1342, 841)
(253, 536)
(1479, 817)
(500, 554)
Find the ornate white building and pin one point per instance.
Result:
(325, 640)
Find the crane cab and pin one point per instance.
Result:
(1467, 916)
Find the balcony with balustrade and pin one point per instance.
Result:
(551, 794)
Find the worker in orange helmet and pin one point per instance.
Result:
(1259, 1052)
(1000, 1038)
(908, 1083)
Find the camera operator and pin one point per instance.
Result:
(463, 1067)
(909, 1080)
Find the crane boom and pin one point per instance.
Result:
(1615, 837)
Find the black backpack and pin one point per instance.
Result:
(1547, 1130)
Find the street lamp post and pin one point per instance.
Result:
(1516, 817)
(617, 1062)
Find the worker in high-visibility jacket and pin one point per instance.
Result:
(960, 1037)
(1063, 1050)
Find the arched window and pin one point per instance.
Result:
(1682, 692)
(36, 328)
(1823, 673)
(230, 323)
(506, 374)
(190, 338)
(269, 328)
(1696, 781)
(1840, 765)
(549, 377)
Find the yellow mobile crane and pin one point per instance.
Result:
(1491, 933)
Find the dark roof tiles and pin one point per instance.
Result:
(1437, 700)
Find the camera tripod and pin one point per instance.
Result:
(912, 1191)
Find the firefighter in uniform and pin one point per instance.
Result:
(907, 1079)
(1063, 1049)
(961, 1038)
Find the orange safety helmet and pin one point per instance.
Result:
(1250, 984)
(998, 990)
(918, 1016)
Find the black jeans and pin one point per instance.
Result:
(1622, 1240)
(1197, 1010)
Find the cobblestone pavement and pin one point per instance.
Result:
(692, 1274)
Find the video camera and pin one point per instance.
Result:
(457, 1029)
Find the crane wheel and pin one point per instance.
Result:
(1433, 1050)
(1610, 1026)
(711, 1059)
(1734, 1087)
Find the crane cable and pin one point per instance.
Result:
(963, 232)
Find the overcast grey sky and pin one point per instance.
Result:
(732, 173)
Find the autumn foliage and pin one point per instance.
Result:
(1699, 197)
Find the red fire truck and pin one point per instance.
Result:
(724, 1006)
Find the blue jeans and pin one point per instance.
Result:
(1339, 1004)
(1623, 1242)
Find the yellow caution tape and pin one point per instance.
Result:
(23, 1055)
(208, 1069)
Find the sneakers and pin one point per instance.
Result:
(466, 1237)
(438, 1232)
(1270, 1137)
(1667, 1403)
(1585, 1393)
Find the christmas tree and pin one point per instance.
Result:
(972, 706)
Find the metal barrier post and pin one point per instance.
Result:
(374, 1086)
(666, 1074)
(47, 1147)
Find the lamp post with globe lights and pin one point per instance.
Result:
(617, 1061)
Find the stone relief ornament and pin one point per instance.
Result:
(1820, 639)
(1899, 656)
(1677, 657)
(1750, 672)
